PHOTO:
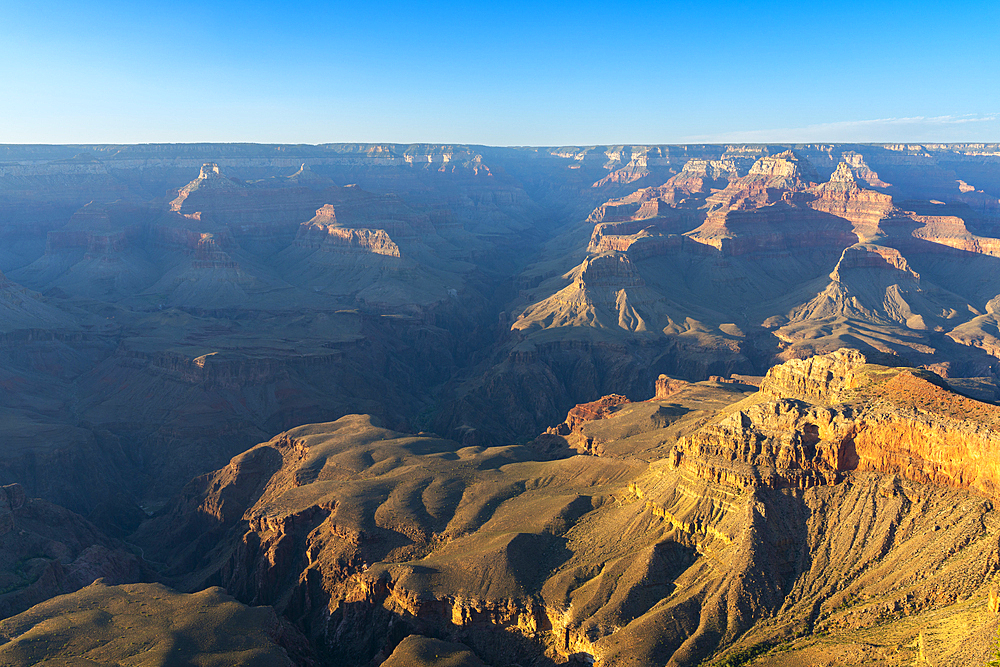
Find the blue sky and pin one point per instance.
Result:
(504, 73)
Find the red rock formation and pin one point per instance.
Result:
(933, 435)
(951, 231)
(770, 180)
(327, 237)
(909, 424)
(841, 196)
(667, 386)
(860, 169)
(602, 408)
(359, 209)
(568, 434)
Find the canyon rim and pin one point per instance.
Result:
(447, 404)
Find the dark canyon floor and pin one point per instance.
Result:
(466, 405)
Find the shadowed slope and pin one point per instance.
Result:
(146, 624)
(711, 518)
(46, 550)
(713, 521)
(417, 651)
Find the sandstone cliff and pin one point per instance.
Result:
(714, 521)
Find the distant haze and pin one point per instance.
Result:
(514, 73)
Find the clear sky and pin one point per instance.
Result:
(499, 73)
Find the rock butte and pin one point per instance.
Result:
(396, 399)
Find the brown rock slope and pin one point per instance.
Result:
(352, 529)
(844, 500)
(148, 624)
(418, 651)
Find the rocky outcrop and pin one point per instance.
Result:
(609, 271)
(769, 180)
(953, 232)
(890, 420)
(362, 210)
(568, 434)
(329, 238)
(823, 378)
(843, 197)
(636, 169)
(701, 175)
(210, 180)
(585, 412)
(860, 170)
(785, 169)
(930, 434)
(667, 386)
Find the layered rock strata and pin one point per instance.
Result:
(747, 523)
(147, 624)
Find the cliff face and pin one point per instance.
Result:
(843, 197)
(821, 378)
(330, 239)
(748, 518)
(894, 421)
